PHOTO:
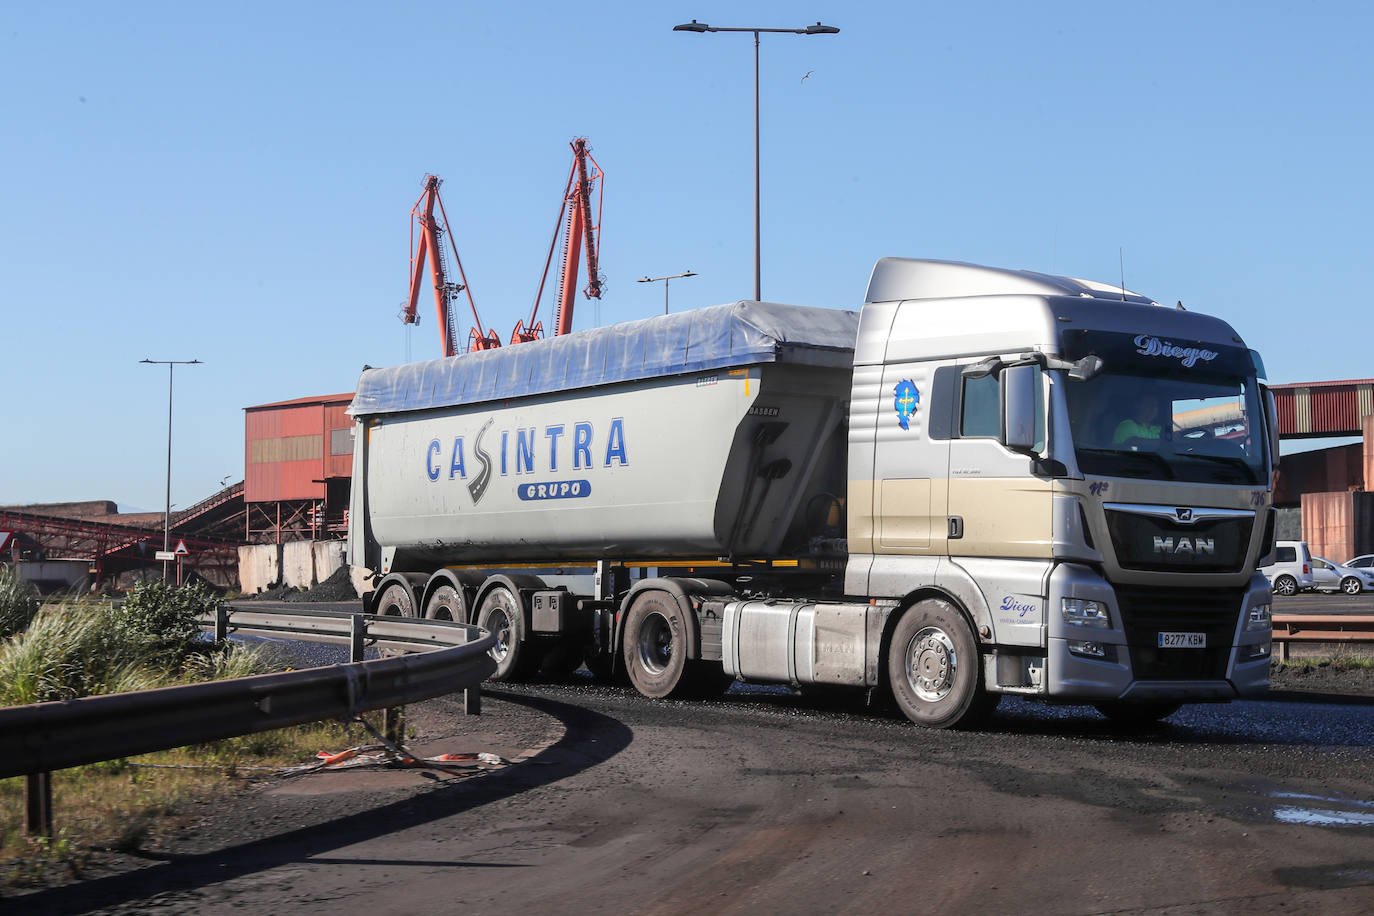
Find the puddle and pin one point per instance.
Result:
(1320, 811)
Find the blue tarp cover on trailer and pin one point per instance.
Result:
(739, 334)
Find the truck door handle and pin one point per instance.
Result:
(956, 527)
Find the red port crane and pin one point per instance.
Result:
(424, 223)
(584, 179)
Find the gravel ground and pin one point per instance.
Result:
(1322, 677)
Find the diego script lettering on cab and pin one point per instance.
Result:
(1187, 356)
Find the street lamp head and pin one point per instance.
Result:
(819, 29)
(692, 26)
(689, 274)
(644, 280)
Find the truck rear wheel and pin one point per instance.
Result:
(933, 667)
(501, 615)
(655, 646)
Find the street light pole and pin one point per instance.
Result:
(665, 285)
(167, 514)
(816, 29)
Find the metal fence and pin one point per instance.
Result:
(1338, 629)
(439, 658)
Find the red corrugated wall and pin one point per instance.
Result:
(1367, 429)
(1334, 409)
(1286, 406)
(340, 426)
(287, 449)
(1327, 523)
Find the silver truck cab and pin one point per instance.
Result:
(1084, 472)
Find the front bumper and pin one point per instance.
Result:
(1235, 664)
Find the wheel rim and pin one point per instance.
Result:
(1351, 586)
(655, 647)
(498, 624)
(1286, 586)
(932, 664)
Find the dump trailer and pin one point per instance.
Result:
(985, 482)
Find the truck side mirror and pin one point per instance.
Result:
(1271, 420)
(982, 369)
(1087, 368)
(1020, 393)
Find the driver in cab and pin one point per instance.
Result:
(1145, 424)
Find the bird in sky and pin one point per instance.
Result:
(808, 73)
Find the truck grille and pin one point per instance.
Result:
(1146, 612)
(1156, 544)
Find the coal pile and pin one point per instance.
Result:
(338, 587)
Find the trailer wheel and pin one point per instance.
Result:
(655, 645)
(396, 600)
(446, 603)
(933, 667)
(501, 615)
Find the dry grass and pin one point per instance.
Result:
(120, 805)
(75, 649)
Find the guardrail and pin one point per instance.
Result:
(1337, 628)
(443, 658)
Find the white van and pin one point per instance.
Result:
(1291, 571)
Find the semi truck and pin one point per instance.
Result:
(984, 482)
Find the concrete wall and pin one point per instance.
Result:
(259, 567)
(328, 556)
(51, 576)
(362, 580)
(297, 564)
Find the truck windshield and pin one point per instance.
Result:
(1196, 429)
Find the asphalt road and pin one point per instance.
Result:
(771, 802)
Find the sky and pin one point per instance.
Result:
(232, 183)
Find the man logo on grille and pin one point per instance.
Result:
(1184, 515)
(1185, 547)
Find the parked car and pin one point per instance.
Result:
(1328, 577)
(1363, 561)
(1291, 571)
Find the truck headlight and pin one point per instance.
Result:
(1259, 618)
(1082, 612)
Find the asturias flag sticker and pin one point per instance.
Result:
(906, 399)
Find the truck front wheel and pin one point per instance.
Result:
(933, 667)
(500, 614)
